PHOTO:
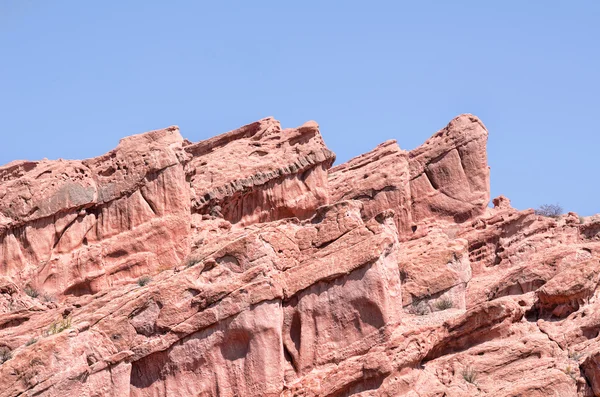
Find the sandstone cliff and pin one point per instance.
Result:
(244, 265)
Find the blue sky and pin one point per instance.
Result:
(76, 76)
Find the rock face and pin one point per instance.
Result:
(79, 227)
(445, 178)
(260, 173)
(244, 265)
(449, 176)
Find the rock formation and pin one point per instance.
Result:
(244, 265)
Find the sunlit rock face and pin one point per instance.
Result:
(246, 265)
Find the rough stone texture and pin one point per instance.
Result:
(260, 173)
(78, 227)
(270, 274)
(380, 180)
(445, 178)
(449, 175)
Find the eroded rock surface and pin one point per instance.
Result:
(244, 265)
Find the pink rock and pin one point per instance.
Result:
(380, 180)
(449, 175)
(77, 227)
(260, 173)
(445, 178)
(501, 202)
(242, 266)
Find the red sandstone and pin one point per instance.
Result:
(244, 265)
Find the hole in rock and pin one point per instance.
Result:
(532, 315)
(463, 217)
(519, 288)
(591, 332)
(14, 322)
(117, 254)
(108, 172)
(80, 289)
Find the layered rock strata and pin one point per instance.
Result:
(244, 265)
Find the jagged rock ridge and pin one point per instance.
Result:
(244, 265)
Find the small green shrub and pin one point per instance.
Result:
(469, 375)
(59, 326)
(144, 280)
(444, 303)
(31, 292)
(5, 355)
(581, 220)
(31, 341)
(575, 356)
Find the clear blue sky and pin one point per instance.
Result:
(76, 76)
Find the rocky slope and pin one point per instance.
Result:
(244, 265)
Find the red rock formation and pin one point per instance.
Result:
(449, 176)
(445, 178)
(244, 266)
(260, 173)
(79, 227)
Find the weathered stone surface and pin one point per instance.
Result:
(446, 178)
(380, 180)
(268, 274)
(78, 227)
(220, 327)
(449, 175)
(434, 267)
(260, 173)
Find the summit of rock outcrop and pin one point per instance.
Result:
(247, 265)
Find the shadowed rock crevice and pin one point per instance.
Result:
(149, 370)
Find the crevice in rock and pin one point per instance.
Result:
(228, 192)
(579, 366)
(80, 289)
(295, 330)
(370, 194)
(427, 173)
(117, 254)
(13, 322)
(591, 332)
(149, 369)
(416, 299)
(289, 358)
(518, 288)
(151, 205)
